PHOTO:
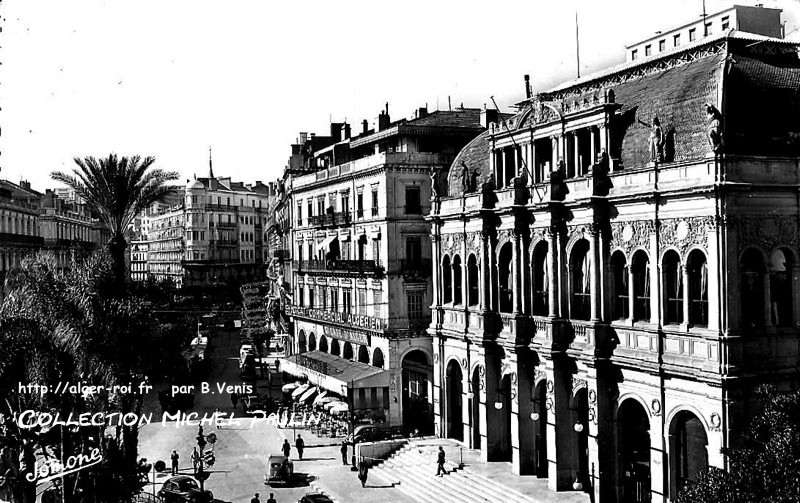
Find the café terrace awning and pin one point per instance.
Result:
(327, 241)
(333, 373)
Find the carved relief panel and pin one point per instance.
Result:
(684, 233)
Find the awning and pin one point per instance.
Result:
(310, 392)
(333, 373)
(286, 388)
(327, 241)
(300, 390)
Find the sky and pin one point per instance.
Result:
(170, 78)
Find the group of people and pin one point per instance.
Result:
(256, 498)
(299, 444)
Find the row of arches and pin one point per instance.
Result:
(686, 440)
(767, 285)
(342, 349)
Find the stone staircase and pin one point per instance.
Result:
(413, 471)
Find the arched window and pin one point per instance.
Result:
(580, 281)
(504, 277)
(641, 286)
(457, 295)
(447, 280)
(312, 342)
(780, 287)
(619, 281)
(347, 351)
(697, 269)
(540, 280)
(377, 358)
(335, 348)
(673, 287)
(363, 354)
(472, 280)
(323, 344)
(752, 289)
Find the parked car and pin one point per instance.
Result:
(373, 433)
(280, 471)
(315, 498)
(183, 489)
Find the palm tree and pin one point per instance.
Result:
(117, 189)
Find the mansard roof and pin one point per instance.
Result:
(475, 157)
(754, 81)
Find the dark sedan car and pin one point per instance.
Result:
(183, 489)
(315, 498)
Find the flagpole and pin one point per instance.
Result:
(577, 46)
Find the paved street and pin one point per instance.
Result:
(241, 452)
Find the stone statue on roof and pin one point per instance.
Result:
(434, 189)
(656, 140)
(465, 178)
(714, 127)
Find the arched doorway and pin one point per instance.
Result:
(335, 348)
(539, 417)
(347, 351)
(501, 426)
(688, 448)
(579, 408)
(475, 408)
(323, 343)
(363, 354)
(417, 412)
(454, 391)
(301, 342)
(633, 452)
(377, 358)
(312, 341)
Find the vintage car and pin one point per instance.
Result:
(280, 471)
(183, 489)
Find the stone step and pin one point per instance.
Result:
(409, 466)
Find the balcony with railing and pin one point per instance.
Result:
(370, 267)
(331, 219)
(415, 268)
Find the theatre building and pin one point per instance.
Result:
(626, 272)
(361, 261)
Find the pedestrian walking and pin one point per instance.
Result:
(174, 457)
(255, 499)
(286, 448)
(234, 399)
(440, 463)
(343, 450)
(363, 471)
(299, 444)
(195, 460)
(272, 498)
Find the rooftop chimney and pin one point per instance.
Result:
(364, 126)
(302, 138)
(528, 86)
(336, 131)
(422, 112)
(488, 116)
(383, 119)
(345, 131)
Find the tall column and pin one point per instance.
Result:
(592, 144)
(577, 156)
(486, 275)
(437, 275)
(534, 174)
(684, 293)
(767, 301)
(594, 286)
(555, 143)
(795, 286)
(517, 273)
(552, 274)
(631, 300)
